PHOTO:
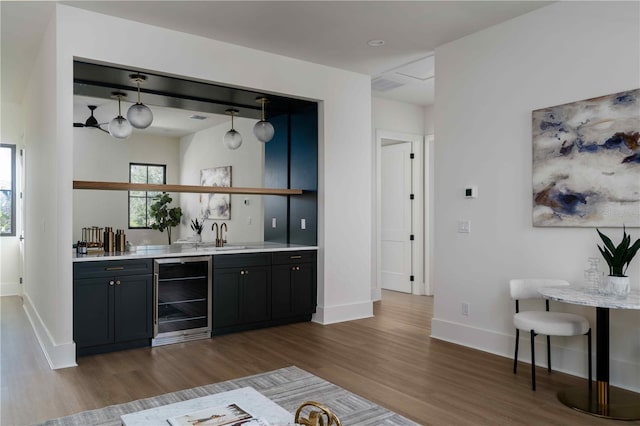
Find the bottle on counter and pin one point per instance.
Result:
(120, 241)
(109, 240)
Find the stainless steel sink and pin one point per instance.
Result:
(230, 247)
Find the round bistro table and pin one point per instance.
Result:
(605, 401)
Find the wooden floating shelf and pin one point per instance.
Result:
(149, 187)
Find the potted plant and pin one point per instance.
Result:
(163, 216)
(618, 258)
(197, 227)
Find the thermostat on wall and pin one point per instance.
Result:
(471, 192)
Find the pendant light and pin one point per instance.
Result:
(119, 127)
(139, 115)
(263, 129)
(232, 139)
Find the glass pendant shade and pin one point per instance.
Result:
(140, 116)
(232, 139)
(264, 131)
(120, 128)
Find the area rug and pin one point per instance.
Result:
(287, 387)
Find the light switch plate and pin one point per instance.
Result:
(464, 226)
(273, 222)
(303, 223)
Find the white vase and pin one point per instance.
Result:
(619, 286)
(196, 237)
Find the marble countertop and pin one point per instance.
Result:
(189, 249)
(591, 297)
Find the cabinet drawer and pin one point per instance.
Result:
(241, 260)
(110, 268)
(286, 257)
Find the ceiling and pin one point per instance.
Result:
(333, 33)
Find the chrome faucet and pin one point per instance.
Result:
(220, 240)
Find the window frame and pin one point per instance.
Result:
(146, 196)
(13, 190)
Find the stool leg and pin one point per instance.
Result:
(549, 354)
(515, 356)
(533, 362)
(589, 356)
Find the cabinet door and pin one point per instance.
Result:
(133, 317)
(256, 294)
(281, 304)
(303, 289)
(227, 284)
(293, 290)
(93, 311)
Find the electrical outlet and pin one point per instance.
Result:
(464, 226)
(303, 223)
(465, 309)
(273, 222)
(249, 220)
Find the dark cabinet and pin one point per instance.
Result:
(112, 305)
(241, 290)
(293, 285)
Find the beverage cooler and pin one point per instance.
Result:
(182, 291)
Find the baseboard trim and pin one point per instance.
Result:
(58, 356)
(623, 374)
(10, 289)
(340, 313)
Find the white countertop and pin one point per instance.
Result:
(189, 249)
(591, 297)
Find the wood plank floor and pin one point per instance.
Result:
(389, 359)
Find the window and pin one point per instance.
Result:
(7, 190)
(139, 201)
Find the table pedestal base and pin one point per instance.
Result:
(623, 404)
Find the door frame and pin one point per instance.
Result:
(418, 179)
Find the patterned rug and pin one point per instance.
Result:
(287, 387)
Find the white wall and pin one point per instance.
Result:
(488, 83)
(99, 157)
(429, 115)
(11, 133)
(205, 149)
(47, 291)
(397, 116)
(344, 269)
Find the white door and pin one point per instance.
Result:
(396, 229)
(20, 211)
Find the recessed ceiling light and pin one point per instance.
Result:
(375, 43)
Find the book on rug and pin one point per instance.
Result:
(227, 415)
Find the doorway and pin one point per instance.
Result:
(400, 213)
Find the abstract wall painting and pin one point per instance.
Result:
(216, 206)
(586, 162)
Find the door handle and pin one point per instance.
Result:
(21, 237)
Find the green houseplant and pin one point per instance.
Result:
(163, 216)
(618, 258)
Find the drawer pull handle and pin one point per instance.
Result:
(111, 282)
(295, 257)
(118, 282)
(114, 268)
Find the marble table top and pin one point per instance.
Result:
(249, 399)
(591, 297)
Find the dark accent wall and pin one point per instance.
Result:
(291, 161)
(276, 175)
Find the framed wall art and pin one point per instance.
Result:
(586, 162)
(216, 206)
